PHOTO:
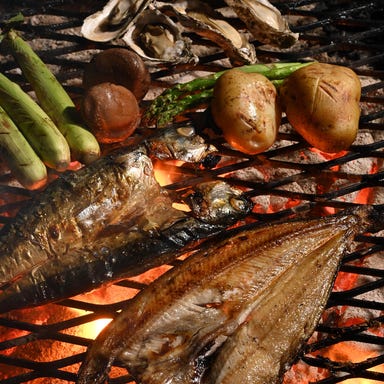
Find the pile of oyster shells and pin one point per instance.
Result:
(155, 29)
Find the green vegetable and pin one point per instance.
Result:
(20, 157)
(36, 126)
(181, 97)
(53, 99)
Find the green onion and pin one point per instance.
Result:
(20, 157)
(53, 99)
(36, 126)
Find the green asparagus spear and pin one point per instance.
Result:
(53, 99)
(181, 97)
(20, 157)
(36, 126)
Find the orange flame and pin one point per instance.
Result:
(165, 176)
(163, 173)
(354, 352)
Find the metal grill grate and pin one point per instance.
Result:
(288, 180)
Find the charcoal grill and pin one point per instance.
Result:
(294, 180)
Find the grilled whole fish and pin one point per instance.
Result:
(107, 220)
(249, 300)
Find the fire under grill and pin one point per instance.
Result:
(47, 344)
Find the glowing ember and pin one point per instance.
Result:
(352, 352)
(93, 328)
(164, 171)
(40, 350)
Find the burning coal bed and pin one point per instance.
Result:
(47, 344)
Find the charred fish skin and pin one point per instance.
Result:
(190, 311)
(94, 225)
(76, 209)
(142, 247)
(63, 226)
(72, 211)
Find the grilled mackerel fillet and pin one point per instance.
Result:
(247, 302)
(107, 220)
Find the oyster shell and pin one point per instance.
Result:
(113, 20)
(155, 37)
(264, 21)
(203, 20)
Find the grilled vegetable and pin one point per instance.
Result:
(111, 112)
(20, 157)
(246, 303)
(107, 220)
(180, 97)
(321, 102)
(118, 66)
(245, 107)
(53, 99)
(35, 124)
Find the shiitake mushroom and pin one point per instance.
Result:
(245, 107)
(118, 66)
(111, 112)
(321, 102)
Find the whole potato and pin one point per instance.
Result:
(246, 108)
(111, 112)
(321, 102)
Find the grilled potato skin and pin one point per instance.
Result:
(321, 102)
(246, 108)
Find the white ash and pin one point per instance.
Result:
(374, 261)
(301, 372)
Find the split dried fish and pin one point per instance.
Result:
(107, 220)
(246, 303)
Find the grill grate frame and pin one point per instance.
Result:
(342, 32)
